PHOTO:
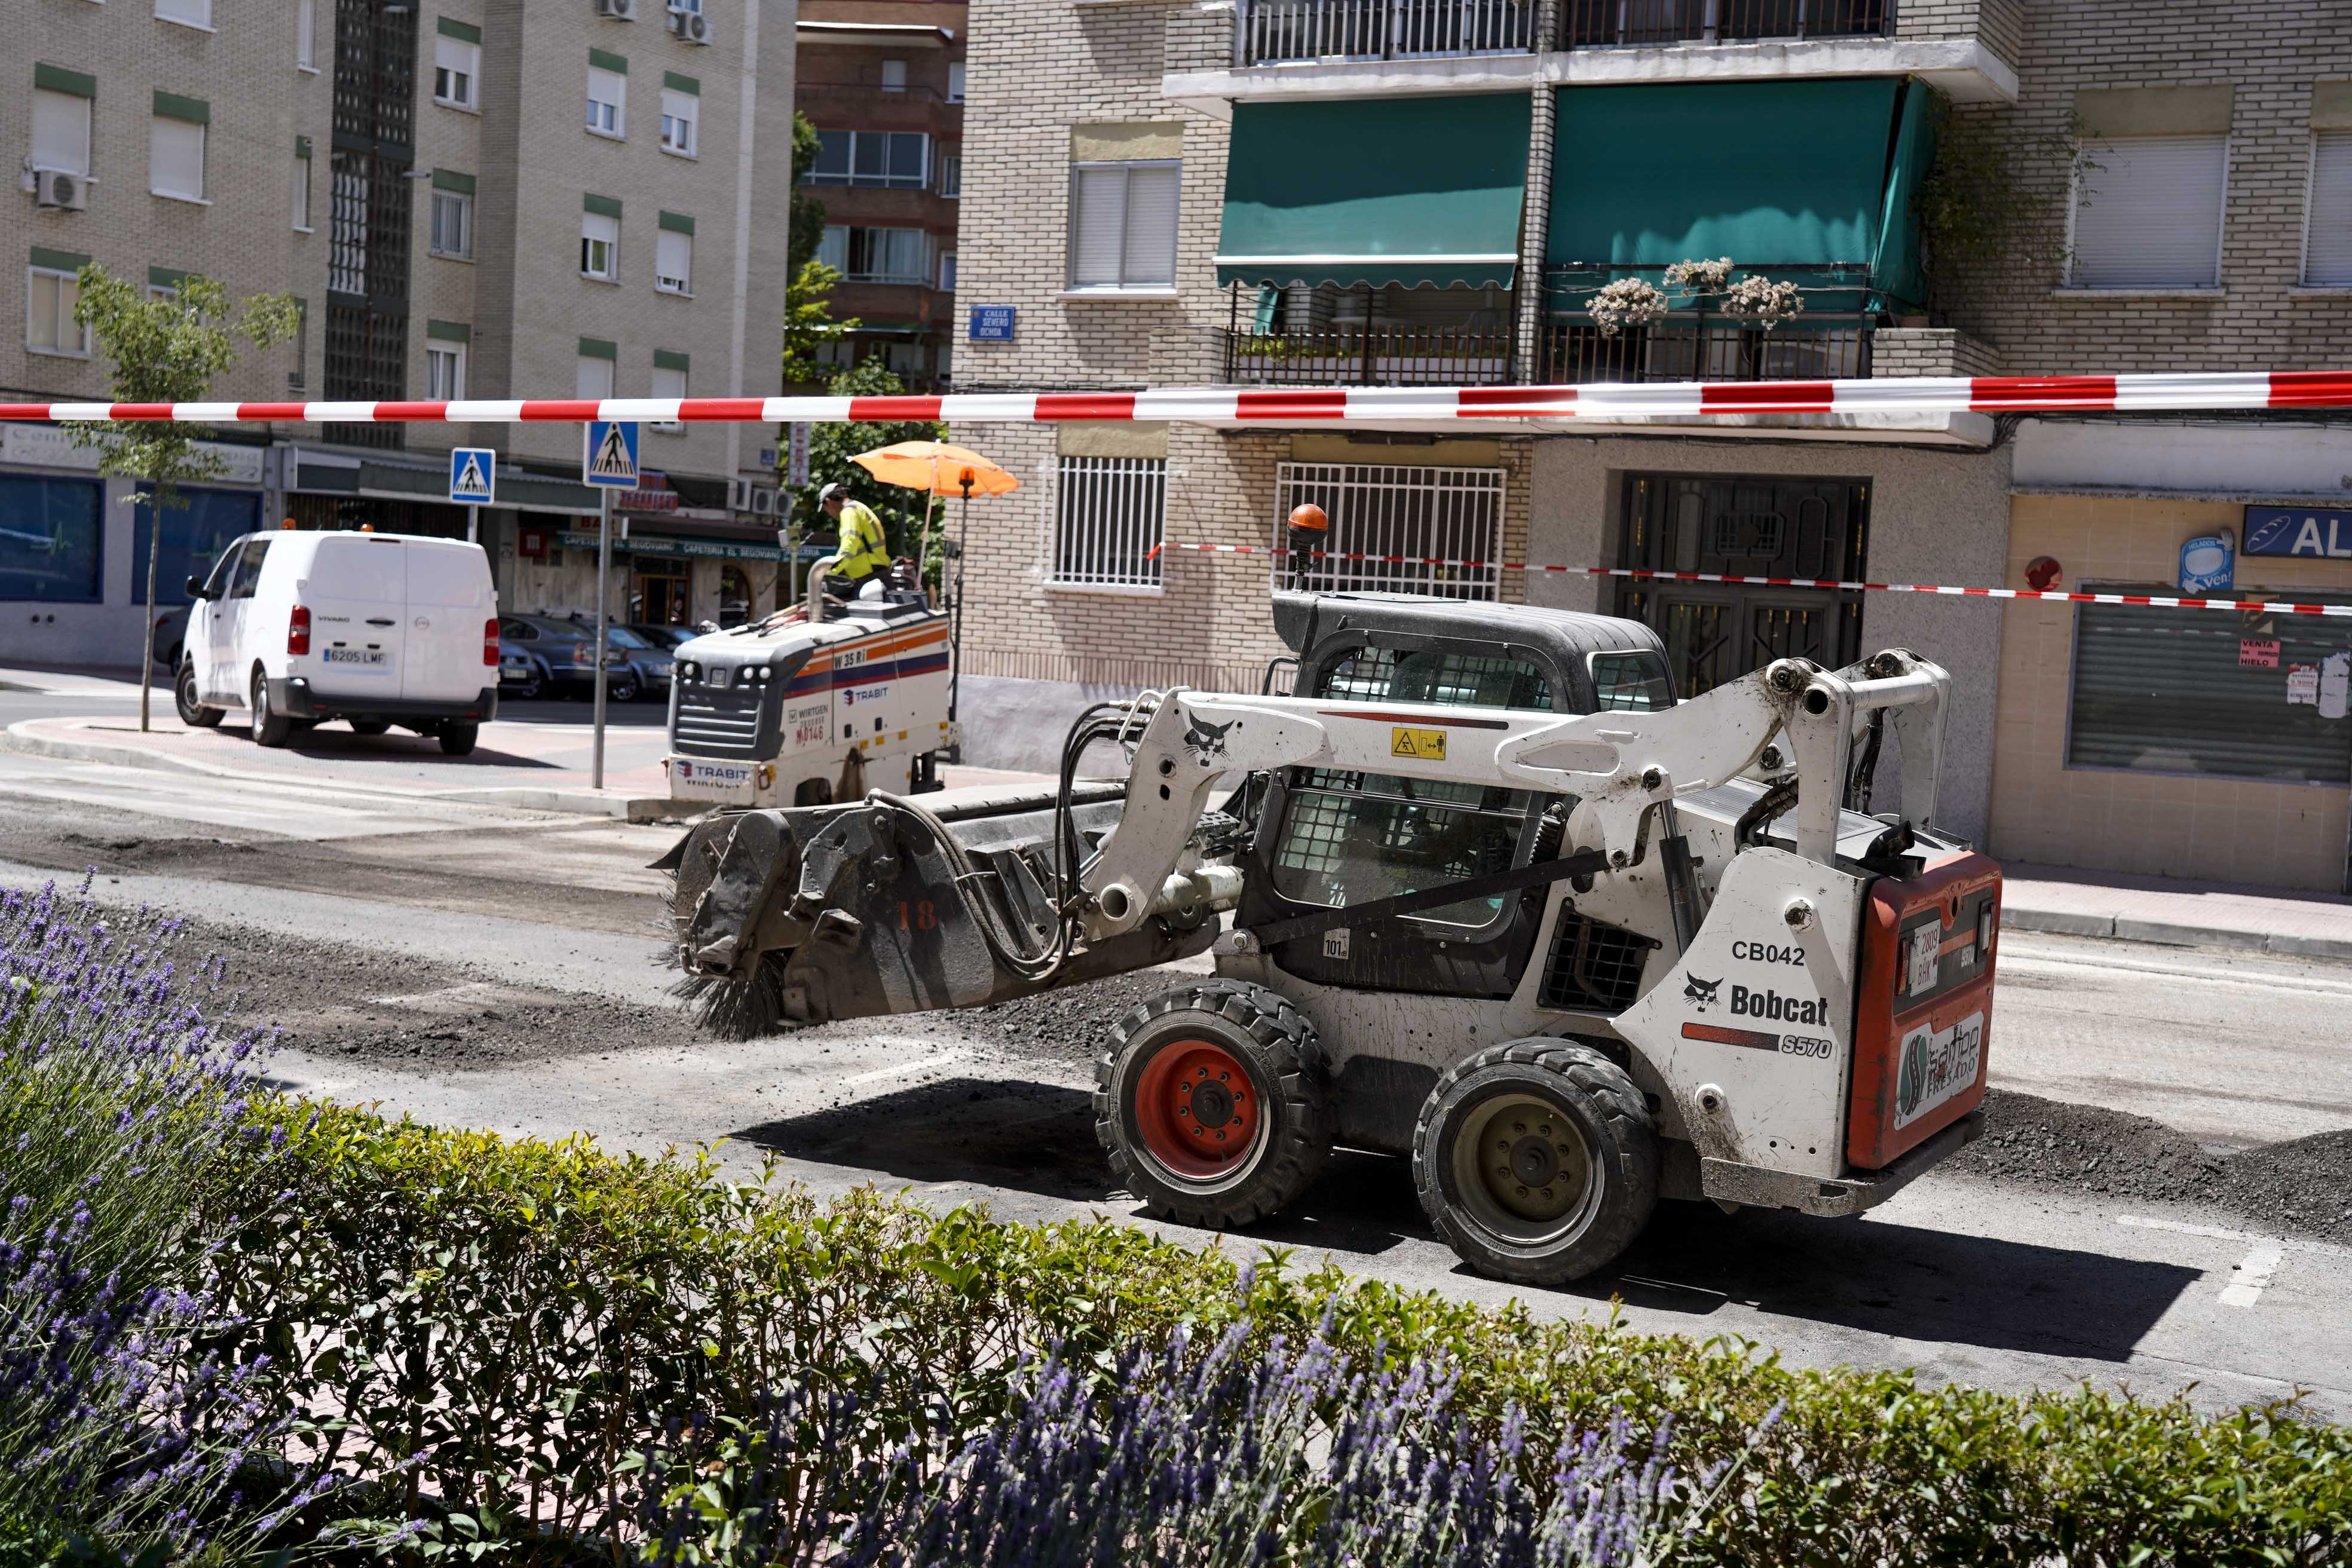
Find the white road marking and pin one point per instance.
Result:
(2254, 1274)
(2181, 1227)
(904, 1068)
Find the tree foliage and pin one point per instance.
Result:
(832, 445)
(809, 325)
(807, 213)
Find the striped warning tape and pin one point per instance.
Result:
(2152, 600)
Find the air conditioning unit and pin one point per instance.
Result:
(617, 10)
(763, 501)
(61, 189)
(691, 25)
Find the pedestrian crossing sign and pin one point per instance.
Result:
(609, 454)
(473, 476)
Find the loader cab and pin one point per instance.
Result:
(1329, 838)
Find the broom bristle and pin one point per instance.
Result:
(731, 1009)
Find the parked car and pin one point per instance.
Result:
(520, 672)
(377, 630)
(171, 635)
(632, 668)
(665, 637)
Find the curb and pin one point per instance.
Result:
(19, 738)
(2127, 928)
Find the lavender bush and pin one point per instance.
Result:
(115, 1100)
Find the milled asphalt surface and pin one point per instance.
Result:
(499, 968)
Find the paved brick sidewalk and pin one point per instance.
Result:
(2193, 914)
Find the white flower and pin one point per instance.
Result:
(1699, 277)
(1628, 303)
(1762, 301)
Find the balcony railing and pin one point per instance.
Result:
(1354, 355)
(1279, 32)
(1696, 348)
(1588, 24)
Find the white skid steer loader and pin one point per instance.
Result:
(1499, 903)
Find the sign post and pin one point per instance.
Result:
(473, 484)
(608, 461)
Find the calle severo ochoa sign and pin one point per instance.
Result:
(2318, 534)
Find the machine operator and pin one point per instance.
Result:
(864, 551)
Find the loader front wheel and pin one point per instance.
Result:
(1537, 1160)
(1212, 1103)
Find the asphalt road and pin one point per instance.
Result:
(500, 968)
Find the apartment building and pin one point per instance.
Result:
(883, 81)
(1312, 194)
(486, 198)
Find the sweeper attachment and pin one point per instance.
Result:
(1499, 903)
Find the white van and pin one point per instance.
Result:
(380, 630)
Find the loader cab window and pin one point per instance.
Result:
(1630, 682)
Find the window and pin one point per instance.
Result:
(1630, 682)
(445, 372)
(952, 173)
(196, 536)
(674, 254)
(680, 110)
(194, 12)
(50, 551)
(669, 380)
(306, 32)
(876, 255)
(900, 158)
(2165, 690)
(457, 67)
(2328, 243)
(1380, 509)
(302, 184)
(600, 245)
(955, 81)
(453, 225)
(594, 377)
(244, 581)
(607, 102)
(2148, 213)
(176, 154)
(947, 271)
(894, 76)
(1123, 224)
(60, 132)
(51, 295)
(1109, 515)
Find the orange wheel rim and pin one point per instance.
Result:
(1197, 1111)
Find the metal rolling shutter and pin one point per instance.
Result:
(2148, 213)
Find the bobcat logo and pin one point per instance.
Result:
(1206, 740)
(1699, 992)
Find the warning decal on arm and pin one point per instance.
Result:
(1429, 745)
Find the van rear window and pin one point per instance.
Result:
(449, 575)
(361, 568)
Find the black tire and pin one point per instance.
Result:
(620, 686)
(370, 726)
(1537, 1234)
(457, 739)
(525, 690)
(1276, 1046)
(269, 729)
(193, 713)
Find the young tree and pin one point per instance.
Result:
(903, 511)
(166, 348)
(807, 219)
(808, 321)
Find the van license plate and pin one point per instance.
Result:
(366, 658)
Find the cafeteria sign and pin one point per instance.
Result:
(2310, 533)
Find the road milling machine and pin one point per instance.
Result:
(1499, 903)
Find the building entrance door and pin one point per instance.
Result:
(1747, 527)
(658, 597)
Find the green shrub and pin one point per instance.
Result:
(516, 1323)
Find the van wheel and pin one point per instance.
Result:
(1537, 1160)
(370, 726)
(457, 739)
(269, 729)
(193, 713)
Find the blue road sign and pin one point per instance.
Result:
(473, 476)
(608, 454)
(990, 324)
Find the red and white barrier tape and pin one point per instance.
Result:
(1892, 394)
(2152, 600)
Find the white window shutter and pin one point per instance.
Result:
(2148, 213)
(1098, 225)
(1151, 250)
(2327, 251)
(674, 259)
(175, 157)
(595, 377)
(668, 383)
(60, 132)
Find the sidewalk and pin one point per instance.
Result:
(2072, 902)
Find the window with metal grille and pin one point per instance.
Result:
(1593, 967)
(370, 210)
(2188, 692)
(1427, 530)
(1109, 515)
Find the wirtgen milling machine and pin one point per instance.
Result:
(1499, 903)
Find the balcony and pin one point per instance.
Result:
(1693, 348)
(1295, 32)
(1454, 337)
(1597, 24)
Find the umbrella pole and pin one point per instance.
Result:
(955, 651)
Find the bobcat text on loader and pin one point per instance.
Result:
(1499, 903)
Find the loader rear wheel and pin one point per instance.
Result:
(1211, 1101)
(1537, 1160)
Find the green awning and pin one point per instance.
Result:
(1416, 191)
(1810, 181)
